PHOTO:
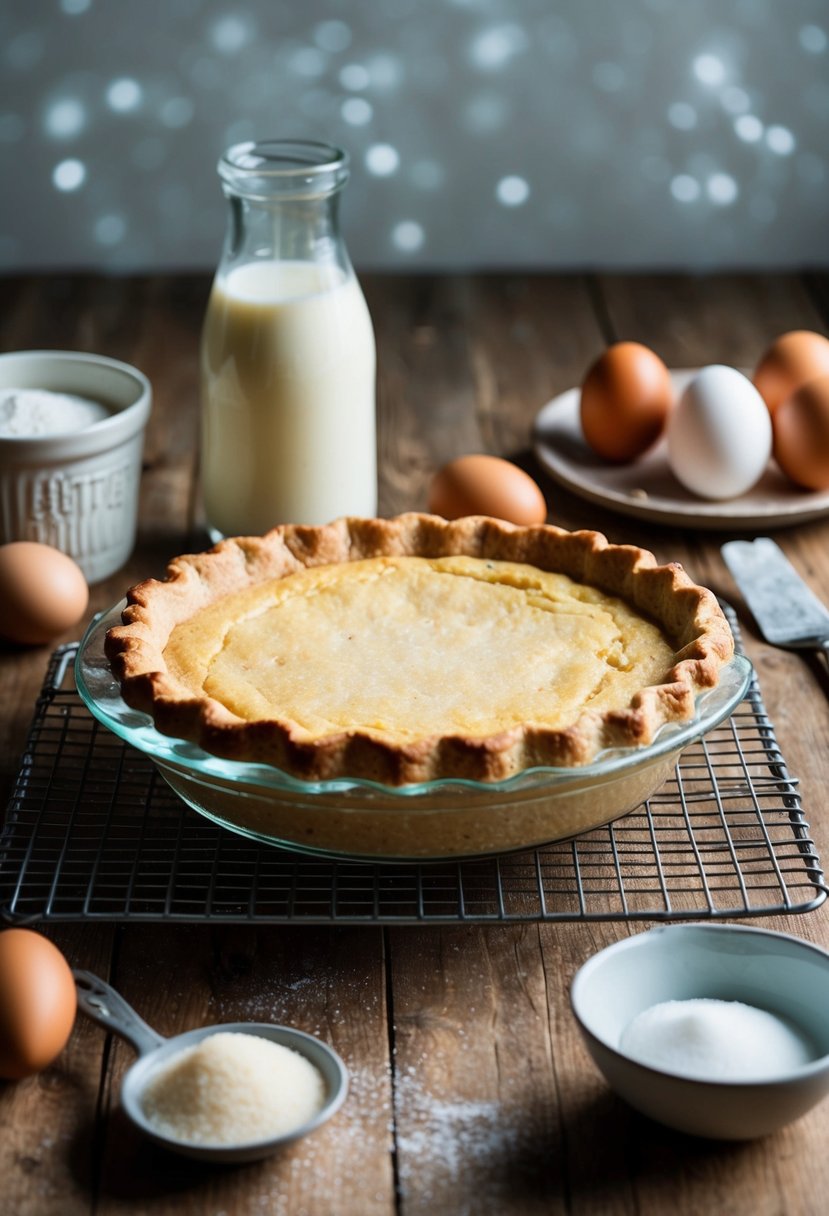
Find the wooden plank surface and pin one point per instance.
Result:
(471, 1091)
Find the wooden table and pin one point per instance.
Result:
(471, 1091)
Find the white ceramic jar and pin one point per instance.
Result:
(76, 490)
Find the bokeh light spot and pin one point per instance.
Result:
(748, 128)
(69, 175)
(356, 111)
(74, 8)
(354, 77)
(684, 188)
(177, 112)
(407, 236)
(486, 112)
(65, 118)
(512, 191)
(709, 69)
(385, 72)
(110, 229)
(494, 47)
(382, 160)
(308, 61)
(124, 95)
(813, 39)
(332, 36)
(682, 116)
(780, 140)
(735, 100)
(230, 34)
(722, 189)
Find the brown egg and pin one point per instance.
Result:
(37, 1003)
(801, 435)
(625, 400)
(486, 485)
(42, 592)
(791, 360)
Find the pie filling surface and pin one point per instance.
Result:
(405, 648)
(414, 648)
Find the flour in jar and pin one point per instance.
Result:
(27, 413)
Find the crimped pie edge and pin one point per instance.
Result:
(689, 614)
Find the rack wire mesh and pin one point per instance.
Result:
(92, 833)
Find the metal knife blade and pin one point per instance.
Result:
(788, 613)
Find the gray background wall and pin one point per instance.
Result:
(610, 133)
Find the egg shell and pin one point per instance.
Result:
(801, 435)
(42, 592)
(486, 485)
(792, 359)
(625, 400)
(38, 1003)
(720, 434)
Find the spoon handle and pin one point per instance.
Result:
(106, 1007)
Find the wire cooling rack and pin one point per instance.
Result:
(93, 833)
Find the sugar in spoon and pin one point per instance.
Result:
(100, 1002)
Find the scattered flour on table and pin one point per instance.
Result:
(34, 412)
(233, 1088)
(449, 1140)
(336, 1168)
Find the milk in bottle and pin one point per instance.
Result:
(288, 358)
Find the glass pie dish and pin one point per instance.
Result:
(361, 819)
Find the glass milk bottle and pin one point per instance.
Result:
(288, 358)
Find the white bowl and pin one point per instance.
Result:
(772, 971)
(76, 491)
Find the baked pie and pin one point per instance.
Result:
(408, 649)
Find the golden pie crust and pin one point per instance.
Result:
(409, 649)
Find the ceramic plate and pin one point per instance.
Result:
(647, 489)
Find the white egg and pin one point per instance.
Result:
(719, 434)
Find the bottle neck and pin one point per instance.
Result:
(283, 198)
(303, 230)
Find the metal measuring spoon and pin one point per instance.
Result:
(106, 1007)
